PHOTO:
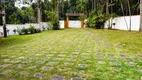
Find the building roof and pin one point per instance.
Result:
(74, 14)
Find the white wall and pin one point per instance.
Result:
(121, 23)
(74, 23)
(62, 24)
(11, 27)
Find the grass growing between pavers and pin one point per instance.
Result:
(72, 54)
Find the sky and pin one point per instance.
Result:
(20, 4)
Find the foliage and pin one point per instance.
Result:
(50, 26)
(31, 29)
(113, 15)
(43, 28)
(37, 30)
(16, 15)
(24, 30)
(82, 17)
(28, 15)
(53, 19)
(81, 5)
(13, 19)
(96, 19)
(19, 30)
(55, 24)
(110, 18)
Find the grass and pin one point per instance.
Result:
(85, 53)
(128, 41)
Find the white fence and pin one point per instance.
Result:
(72, 24)
(61, 24)
(123, 23)
(11, 27)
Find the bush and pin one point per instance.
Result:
(82, 17)
(55, 25)
(53, 19)
(97, 20)
(37, 30)
(31, 29)
(24, 30)
(19, 31)
(43, 28)
(50, 26)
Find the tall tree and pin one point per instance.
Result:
(81, 5)
(39, 11)
(140, 30)
(4, 18)
(39, 7)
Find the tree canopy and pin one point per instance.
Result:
(16, 15)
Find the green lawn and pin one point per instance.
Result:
(72, 53)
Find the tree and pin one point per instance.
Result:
(39, 7)
(129, 7)
(140, 30)
(39, 10)
(82, 5)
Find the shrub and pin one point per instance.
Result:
(19, 31)
(31, 29)
(24, 30)
(43, 28)
(55, 25)
(53, 19)
(96, 19)
(82, 17)
(50, 26)
(37, 30)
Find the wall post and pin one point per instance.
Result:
(82, 23)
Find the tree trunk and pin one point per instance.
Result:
(94, 4)
(111, 16)
(39, 12)
(140, 30)
(123, 13)
(129, 14)
(58, 9)
(107, 9)
(4, 18)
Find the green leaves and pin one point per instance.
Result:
(53, 19)
(81, 5)
(96, 19)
